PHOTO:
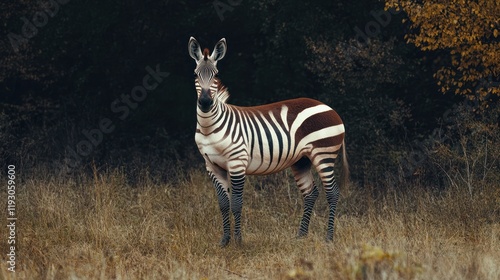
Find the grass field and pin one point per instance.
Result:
(100, 227)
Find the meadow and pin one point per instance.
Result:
(101, 226)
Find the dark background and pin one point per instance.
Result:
(85, 55)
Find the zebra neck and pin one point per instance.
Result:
(211, 121)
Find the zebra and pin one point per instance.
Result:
(238, 141)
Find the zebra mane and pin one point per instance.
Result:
(222, 93)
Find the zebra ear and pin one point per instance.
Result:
(219, 50)
(194, 49)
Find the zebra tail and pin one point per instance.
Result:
(345, 166)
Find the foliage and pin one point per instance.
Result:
(354, 66)
(468, 151)
(468, 31)
(18, 63)
(373, 262)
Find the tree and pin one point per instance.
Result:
(351, 66)
(469, 31)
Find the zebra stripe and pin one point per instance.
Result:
(238, 141)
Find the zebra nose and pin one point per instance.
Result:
(205, 100)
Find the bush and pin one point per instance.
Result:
(468, 149)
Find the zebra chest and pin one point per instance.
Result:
(215, 148)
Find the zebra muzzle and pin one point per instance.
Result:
(205, 100)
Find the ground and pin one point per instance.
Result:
(101, 227)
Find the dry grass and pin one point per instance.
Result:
(102, 228)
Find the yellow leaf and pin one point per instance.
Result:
(495, 33)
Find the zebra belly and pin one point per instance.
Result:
(264, 170)
(258, 166)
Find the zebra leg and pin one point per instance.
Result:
(237, 183)
(324, 164)
(309, 201)
(223, 198)
(332, 196)
(305, 182)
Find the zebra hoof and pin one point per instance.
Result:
(301, 235)
(329, 239)
(224, 241)
(238, 239)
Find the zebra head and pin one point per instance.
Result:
(206, 71)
